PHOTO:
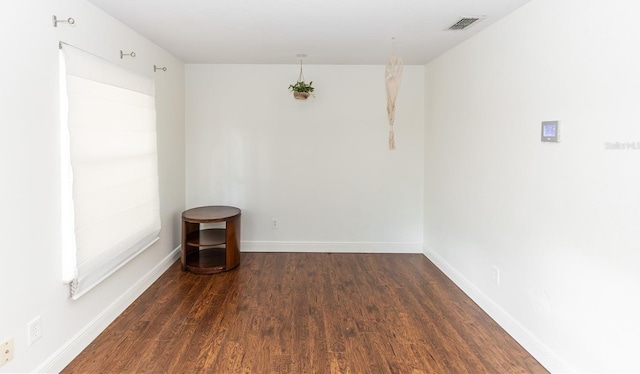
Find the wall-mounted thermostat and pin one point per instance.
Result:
(549, 131)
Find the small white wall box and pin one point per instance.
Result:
(549, 131)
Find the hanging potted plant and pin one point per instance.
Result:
(301, 90)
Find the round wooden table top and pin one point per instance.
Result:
(210, 214)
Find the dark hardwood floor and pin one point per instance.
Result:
(306, 313)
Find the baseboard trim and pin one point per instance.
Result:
(63, 356)
(521, 334)
(331, 247)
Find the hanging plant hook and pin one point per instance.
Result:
(301, 56)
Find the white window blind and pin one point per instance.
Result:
(109, 164)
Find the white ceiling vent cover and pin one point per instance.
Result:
(464, 22)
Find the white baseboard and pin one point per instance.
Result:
(63, 356)
(521, 334)
(331, 247)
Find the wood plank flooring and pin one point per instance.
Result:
(306, 313)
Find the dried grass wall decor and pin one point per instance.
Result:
(393, 77)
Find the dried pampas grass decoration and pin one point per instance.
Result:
(393, 76)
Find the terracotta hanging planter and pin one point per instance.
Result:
(301, 95)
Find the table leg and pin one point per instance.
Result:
(187, 228)
(233, 243)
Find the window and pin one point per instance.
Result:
(109, 167)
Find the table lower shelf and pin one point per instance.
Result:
(207, 261)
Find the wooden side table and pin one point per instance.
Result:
(210, 251)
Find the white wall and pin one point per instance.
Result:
(30, 271)
(321, 167)
(559, 220)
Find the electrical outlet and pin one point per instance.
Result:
(6, 351)
(495, 275)
(34, 329)
(274, 223)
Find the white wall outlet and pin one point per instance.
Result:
(34, 330)
(6, 351)
(495, 275)
(274, 223)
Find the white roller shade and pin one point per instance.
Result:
(110, 167)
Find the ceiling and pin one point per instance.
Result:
(341, 32)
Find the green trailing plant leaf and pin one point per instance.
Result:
(301, 87)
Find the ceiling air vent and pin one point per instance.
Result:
(464, 22)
